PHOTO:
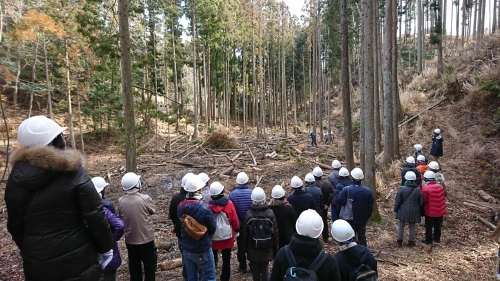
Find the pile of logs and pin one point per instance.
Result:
(490, 210)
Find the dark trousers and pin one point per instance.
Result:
(226, 264)
(242, 259)
(109, 276)
(260, 271)
(431, 223)
(145, 254)
(360, 230)
(313, 142)
(324, 216)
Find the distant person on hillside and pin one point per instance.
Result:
(55, 216)
(434, 208)
(313, 138)
(437, 145)
(410, 166)
(409, 199)
(300, 199)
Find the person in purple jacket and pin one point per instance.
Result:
(117, 230)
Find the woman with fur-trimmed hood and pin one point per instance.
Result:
(55, 216)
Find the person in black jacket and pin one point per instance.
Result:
(410, 166)
(305, 247)
(344, 181)
(300, 200)
(315, 191)
(55, 216)
(285, 215)
(351, 255)
(172, 211)
(437, 145)
(327, 190)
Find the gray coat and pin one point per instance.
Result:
(409, 210)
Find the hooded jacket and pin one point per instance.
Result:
(226, 206)
(352, 258)
(117, 229)
(301, 201)
(64, 226)
(286, 217)
(409, 210)
(202, 213)
(434, 200)
(305, 250)
(242, 199)
(172, 211)
(362, 204)
(259, 255)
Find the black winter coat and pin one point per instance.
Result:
(172, 211)
(64, 227)
(354, 257)
(437, 146)
(286, 217)
(301, 201)
(305, 250)
(317, 195)
(327, 189)
(259, 255)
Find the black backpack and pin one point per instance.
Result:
(260, 231)
(362, 273)
(296, 273)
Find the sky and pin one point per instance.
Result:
(295, 6)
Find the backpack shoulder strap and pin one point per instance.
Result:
(289, 256)
(318, 262)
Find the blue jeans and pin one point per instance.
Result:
(204, 261)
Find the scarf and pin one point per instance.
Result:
(278, 202)
(194, 195)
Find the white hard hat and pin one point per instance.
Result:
(343, 172)
(99, 184)
(185, 178)
(437, 131)
(357, 174)
(410, 176)
(309, 224)
(193, 184)
(336, 164)
(317, 172)
(433, 165)
(216, 188)
(258, 194)
(204, 177)
(421, 158)
(309, 178)
(277, 192)
(130, 180)
(342, 231)
(410, 160)
(38, 130)
(242, 178)
(429, 175)
(296, 182)
(418, 147)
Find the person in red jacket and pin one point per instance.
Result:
(434, 208)
(221, 204)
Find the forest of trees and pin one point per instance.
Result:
(249, 62)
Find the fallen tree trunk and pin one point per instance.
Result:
(486, 196)
(227, 171)
(418, 114)
(487, 223)
(170, 264)
(323, 166)
(479, 208)
(236, 157)
(253, 158)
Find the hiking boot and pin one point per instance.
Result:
(425, 242)
(400, 243)
(436, 242)
(411, 244)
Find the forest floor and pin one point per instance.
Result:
(470, 162)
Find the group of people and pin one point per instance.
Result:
(422, 193)
(266, 230)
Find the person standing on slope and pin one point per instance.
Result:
(300, 200)
(409, 199)
(285, 215)
(437, 145)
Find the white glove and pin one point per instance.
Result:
(105, 258)
(236, 235)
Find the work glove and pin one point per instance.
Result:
(105, 258)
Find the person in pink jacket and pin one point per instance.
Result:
(434, 208)
(220, 241)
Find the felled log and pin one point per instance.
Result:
(236, 157)
(271, 155)
(253, 158)
(322, 166)
(487, 223)
(227, 171)
(496, 234)
(486, 196)
(170, 264)
(479, 208)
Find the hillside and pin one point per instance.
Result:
(468, 119)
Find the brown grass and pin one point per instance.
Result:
(220, 141)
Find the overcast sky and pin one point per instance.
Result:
(295, 6)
